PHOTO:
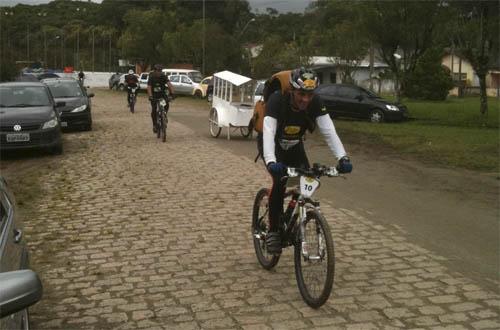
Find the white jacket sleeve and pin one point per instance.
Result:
(327, 128)
(269, 133)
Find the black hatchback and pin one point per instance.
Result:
(342, 100)
(28, 117)
(77, 110)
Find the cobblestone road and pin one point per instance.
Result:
(133, 233)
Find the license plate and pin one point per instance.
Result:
(18, 137)
(64, 124)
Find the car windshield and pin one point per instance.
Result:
(64, 88)
(23, 96)
(369, 93)
(195, 76)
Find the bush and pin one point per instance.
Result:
(430, 80)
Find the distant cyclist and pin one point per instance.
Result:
(132, 82)
(157, 86)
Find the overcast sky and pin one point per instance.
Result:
(260, 5)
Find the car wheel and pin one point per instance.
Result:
(198, 94)
(376, 116)
(57, 149)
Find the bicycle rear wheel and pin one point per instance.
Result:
(163, 126)
(158, 120)
(314, 269)
(132, 103)
(260, 228)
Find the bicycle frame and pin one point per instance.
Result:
(309, 184)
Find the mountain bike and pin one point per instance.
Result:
(132, 97)
(162, 105)
(304, 227)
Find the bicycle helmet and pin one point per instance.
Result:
(157, 67)
(130, 71)
(304, 79)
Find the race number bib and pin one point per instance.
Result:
(308, 186)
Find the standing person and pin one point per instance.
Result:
(283, 141)
(157, 85)
(131, 81)
(81, 76)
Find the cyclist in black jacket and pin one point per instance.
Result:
(157, 86)
(131, 81)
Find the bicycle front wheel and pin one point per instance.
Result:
(315, 260)
(260, 228)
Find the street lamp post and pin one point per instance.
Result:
(93, 28)
(43, 14)
(245, 27)
(243, 31)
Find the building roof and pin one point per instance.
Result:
(328, 61)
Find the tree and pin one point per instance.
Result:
(185, 46)
(475, 37)
(430, 80)
(143, 35)
(401, 32)
(277, 55)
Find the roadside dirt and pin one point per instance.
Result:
(453, 212)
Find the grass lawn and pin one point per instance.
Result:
(450, 133)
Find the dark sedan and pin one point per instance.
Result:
(28, 117)
(77, 111)
(344, 100)
(19, 286)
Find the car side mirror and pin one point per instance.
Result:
(60, 104)
(20, 289)
(90, 94)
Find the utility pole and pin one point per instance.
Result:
(203, 42)
(109, 64)
(27, 42)
(45, 48)
(93, 68)
(78, 47)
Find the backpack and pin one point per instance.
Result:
(278, 81)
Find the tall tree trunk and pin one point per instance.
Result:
(483, 94)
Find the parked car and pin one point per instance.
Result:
(344, 100)
(143, 80)
(204, 85)
(259, 91)
(78, 106)
(182, 84)
(29, 117)
(114, 80)
(19, 286)
(194, 75)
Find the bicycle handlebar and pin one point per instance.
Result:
(316, 171)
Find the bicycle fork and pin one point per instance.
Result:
(306, 247)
